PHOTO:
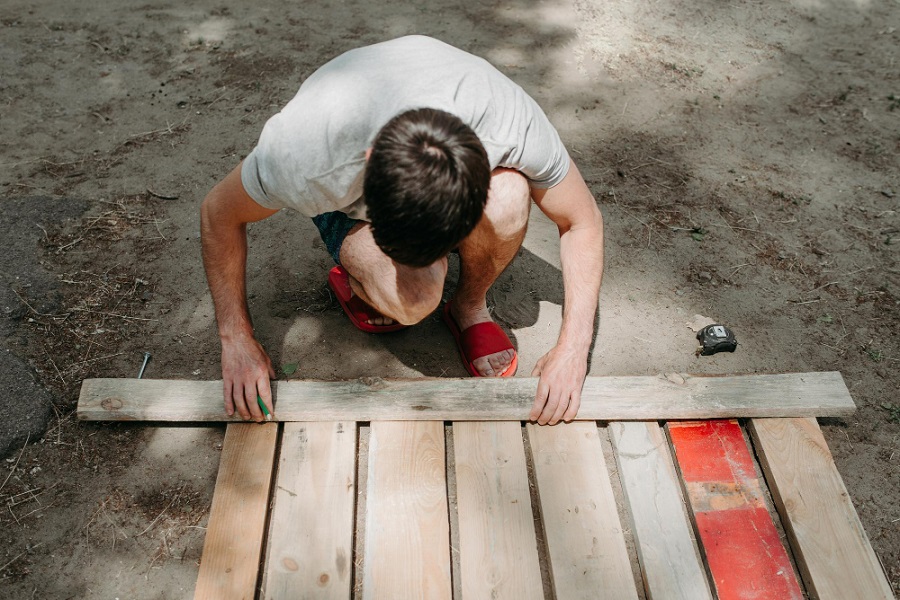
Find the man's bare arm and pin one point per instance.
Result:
(246, 367)
(573, 209)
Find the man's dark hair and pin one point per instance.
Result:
(425, 185)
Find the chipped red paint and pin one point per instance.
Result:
(743, 550)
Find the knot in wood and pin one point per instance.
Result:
(373, 382)
(676, 378)
(112, 403)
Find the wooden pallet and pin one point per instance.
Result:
(284, 517)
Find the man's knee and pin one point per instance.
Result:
(509, 201)
(419, 291)
(405, 294)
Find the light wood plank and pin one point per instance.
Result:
(407, 546)
(478, 399)
(310, 550)
(588, 557)
(497, 544)
(237, 520)
(830, 545)
(743, 549)
(669, 557)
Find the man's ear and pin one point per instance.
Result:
(368, 153)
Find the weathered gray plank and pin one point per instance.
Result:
(585, 541)
(478, 399)
(669, 557)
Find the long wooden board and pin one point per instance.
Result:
(229, 565)
(668, 554)
(407, 546)
(743, 549)
(585, 540)
(497, 544)
(832, 551)
(478, 399)
(310, 548)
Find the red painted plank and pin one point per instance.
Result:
(742, 547)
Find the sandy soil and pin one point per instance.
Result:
(745, 156)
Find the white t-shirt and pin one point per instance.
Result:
(311, 155)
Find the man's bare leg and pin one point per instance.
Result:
(408, 294)
(486, 252)
(402, 294)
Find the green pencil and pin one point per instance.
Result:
(265, 410)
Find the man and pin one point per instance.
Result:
(402, 152)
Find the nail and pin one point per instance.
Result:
(144, 366)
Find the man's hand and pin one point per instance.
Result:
(558, 396)
(562, 371)
(246, 371)
(246, 367)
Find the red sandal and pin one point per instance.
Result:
(480, 340)
(356, 309)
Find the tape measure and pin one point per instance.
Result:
(715, 338)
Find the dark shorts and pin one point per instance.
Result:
(334, 227)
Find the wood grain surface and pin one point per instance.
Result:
(585, 540)
(830, 546)
(310, 546)
(497, 543)
(407, 546)
(229, 566)
(477, 399)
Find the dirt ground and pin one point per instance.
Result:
(745, 157)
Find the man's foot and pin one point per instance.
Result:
(484, 347)
(363, 316)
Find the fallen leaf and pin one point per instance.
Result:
(698, 322)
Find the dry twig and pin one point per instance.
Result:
(161, 196)
(153, 522)
(13, 470)
(17, 557)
